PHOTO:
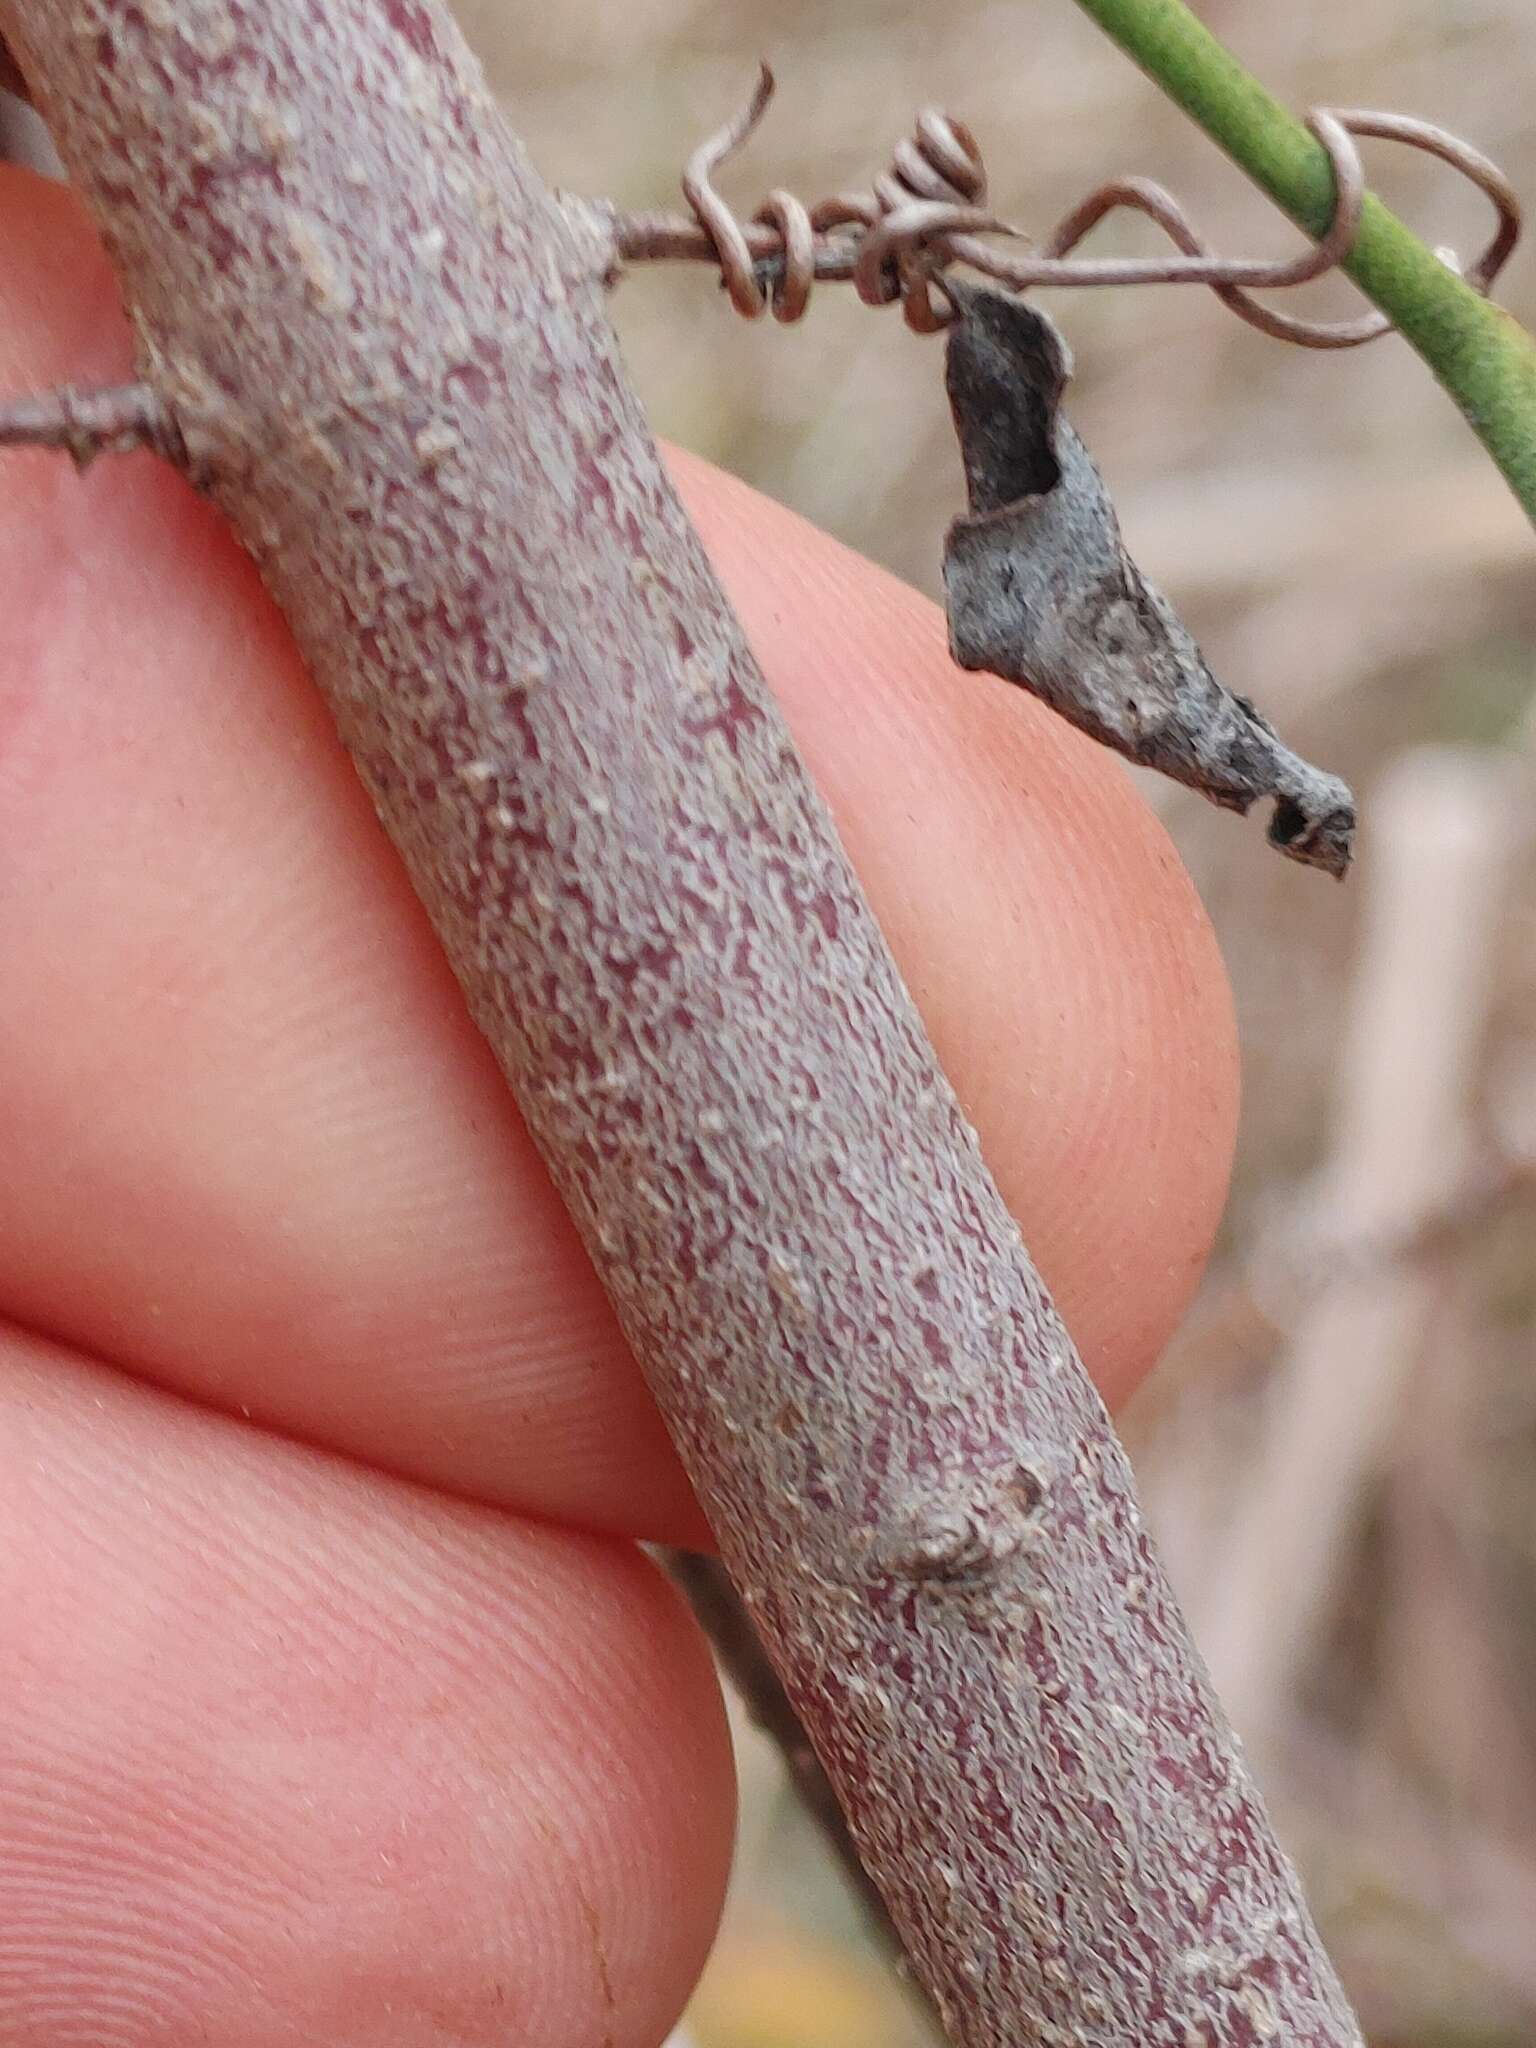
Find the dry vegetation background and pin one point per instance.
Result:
(1340, 1450)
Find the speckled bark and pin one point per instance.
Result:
(388, 359)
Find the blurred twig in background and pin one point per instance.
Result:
(1445, 824)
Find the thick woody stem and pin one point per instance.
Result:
(725, 1621)
(451, 493)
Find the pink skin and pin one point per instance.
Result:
(337, 1704)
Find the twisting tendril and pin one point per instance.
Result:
(929, 210)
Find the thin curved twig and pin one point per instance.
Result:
(928, 211)
(1332, 127)
(87, 422)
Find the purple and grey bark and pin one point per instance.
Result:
(385, 351)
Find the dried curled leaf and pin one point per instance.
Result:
(11, 79)
(1040, 591)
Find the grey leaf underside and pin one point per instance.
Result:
(1041, 592)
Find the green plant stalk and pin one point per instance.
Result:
(1485, 359)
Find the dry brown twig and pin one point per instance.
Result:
(928, 211)
(85, 423)
(1448, 823)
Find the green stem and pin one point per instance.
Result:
(1484, 358)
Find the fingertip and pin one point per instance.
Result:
(61, 300)
(294, 1752)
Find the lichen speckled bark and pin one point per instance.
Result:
(388, 360)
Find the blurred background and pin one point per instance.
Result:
(1339, 1451)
